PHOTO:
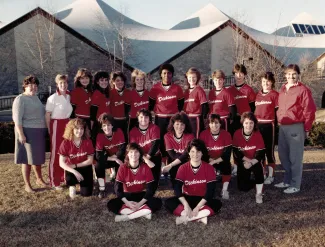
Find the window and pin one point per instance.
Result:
(296, 28)
(321, 29)
(302, 28)
(309, 29)
(315, 28)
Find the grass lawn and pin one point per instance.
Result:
(51, 218)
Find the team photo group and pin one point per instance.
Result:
(140, 135)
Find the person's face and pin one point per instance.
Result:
(195, 155)
(118, 83)
(103, 82)
(166, 76)
(143, 120)
(139, 82)
(107, 128)
(78, 131)
(84, 81)
(291, 76)
(62, 86)
(133, 156)
(31, 89)
(215, 126)
(179, 127)
(248, 126)
(218, 82)
(239, 77)
(266, 85)
(192, 80)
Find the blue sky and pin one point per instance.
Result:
(261, 14)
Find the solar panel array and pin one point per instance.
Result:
(308, 29)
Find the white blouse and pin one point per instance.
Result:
(59, 106)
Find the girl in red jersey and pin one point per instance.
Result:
(110, 150)
(138, 98)
(76, 157)
(195, 187)
(266, 105)
(221, 102)
(165, 99)
(249, 152)
(178, 136)
(195, 101)
(81, 96)
(100, 101)
(147, 136)
(219, 145)
(134, 188)
(119, 97)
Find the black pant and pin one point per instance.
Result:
(123, 125)
(172, 203)
(94, 132)
(244, 181)
(162, 123)
(100, 167)
(133, 122)
(223, 167)
(86, 185)
(115, 205)
(267, 132)
(156, 170)
(225, 124)
(235, 125)
(196, 126)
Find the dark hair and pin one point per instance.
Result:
(181, 117)
(200, 146)
(99, 75)
(145, 112)
(239, 68)
(294, 67)
(193, 70)
(268, 76)
(83, 73)
(105, 118)
(250, 116)
(133, 146)
(211, 118)
(166, 66)
(31, 79)
(114, 76)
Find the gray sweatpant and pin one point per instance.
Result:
(291, 152)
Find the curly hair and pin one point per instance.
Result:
(179, 117)
(99, 75)
(83, 73)
(250, 116)
(200, 146)
(31, 79)
(114, 76)
(73, 123)
(134, 75)
(168, 67)
(133, 146)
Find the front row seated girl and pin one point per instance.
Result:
(76, 157)
(194, 187)
(132, 179)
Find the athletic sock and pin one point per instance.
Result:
(101, 183)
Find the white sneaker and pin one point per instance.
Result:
(181, 220)
(282, 185)
(204, 220)
(269, 180)
(72, 192)
(225, 194)
(148, 216)
(291, 190)
(259, 198)
(123, 217)
(57, 188)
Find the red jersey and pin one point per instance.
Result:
(193, 101)
(296, 105)
(118, 101)
(99, 99)
(110, 145)
(265, 105)
(145, 139)
(166, 99)
(134, 181)
(137, 102)
(250, 146)
(216, 145)
(177, 145)
(219, 102)
(243, 96)
(76, 154)
(195, 183)
(81, 99)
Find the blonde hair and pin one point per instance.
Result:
(218, 74)
(60, 77)
(194, 71)
(136, 73)
(73, 123)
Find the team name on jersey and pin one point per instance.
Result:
(240, 97)
(119, 103)
(215, 101)
(145, 143)
(189, 100)
(247, 148)
(179, 151)
(215, 148)
(72, 156)
(194, 181)
(263, 102)
(166, 98)
(111, 146)
(128, 184)
(136, 104)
